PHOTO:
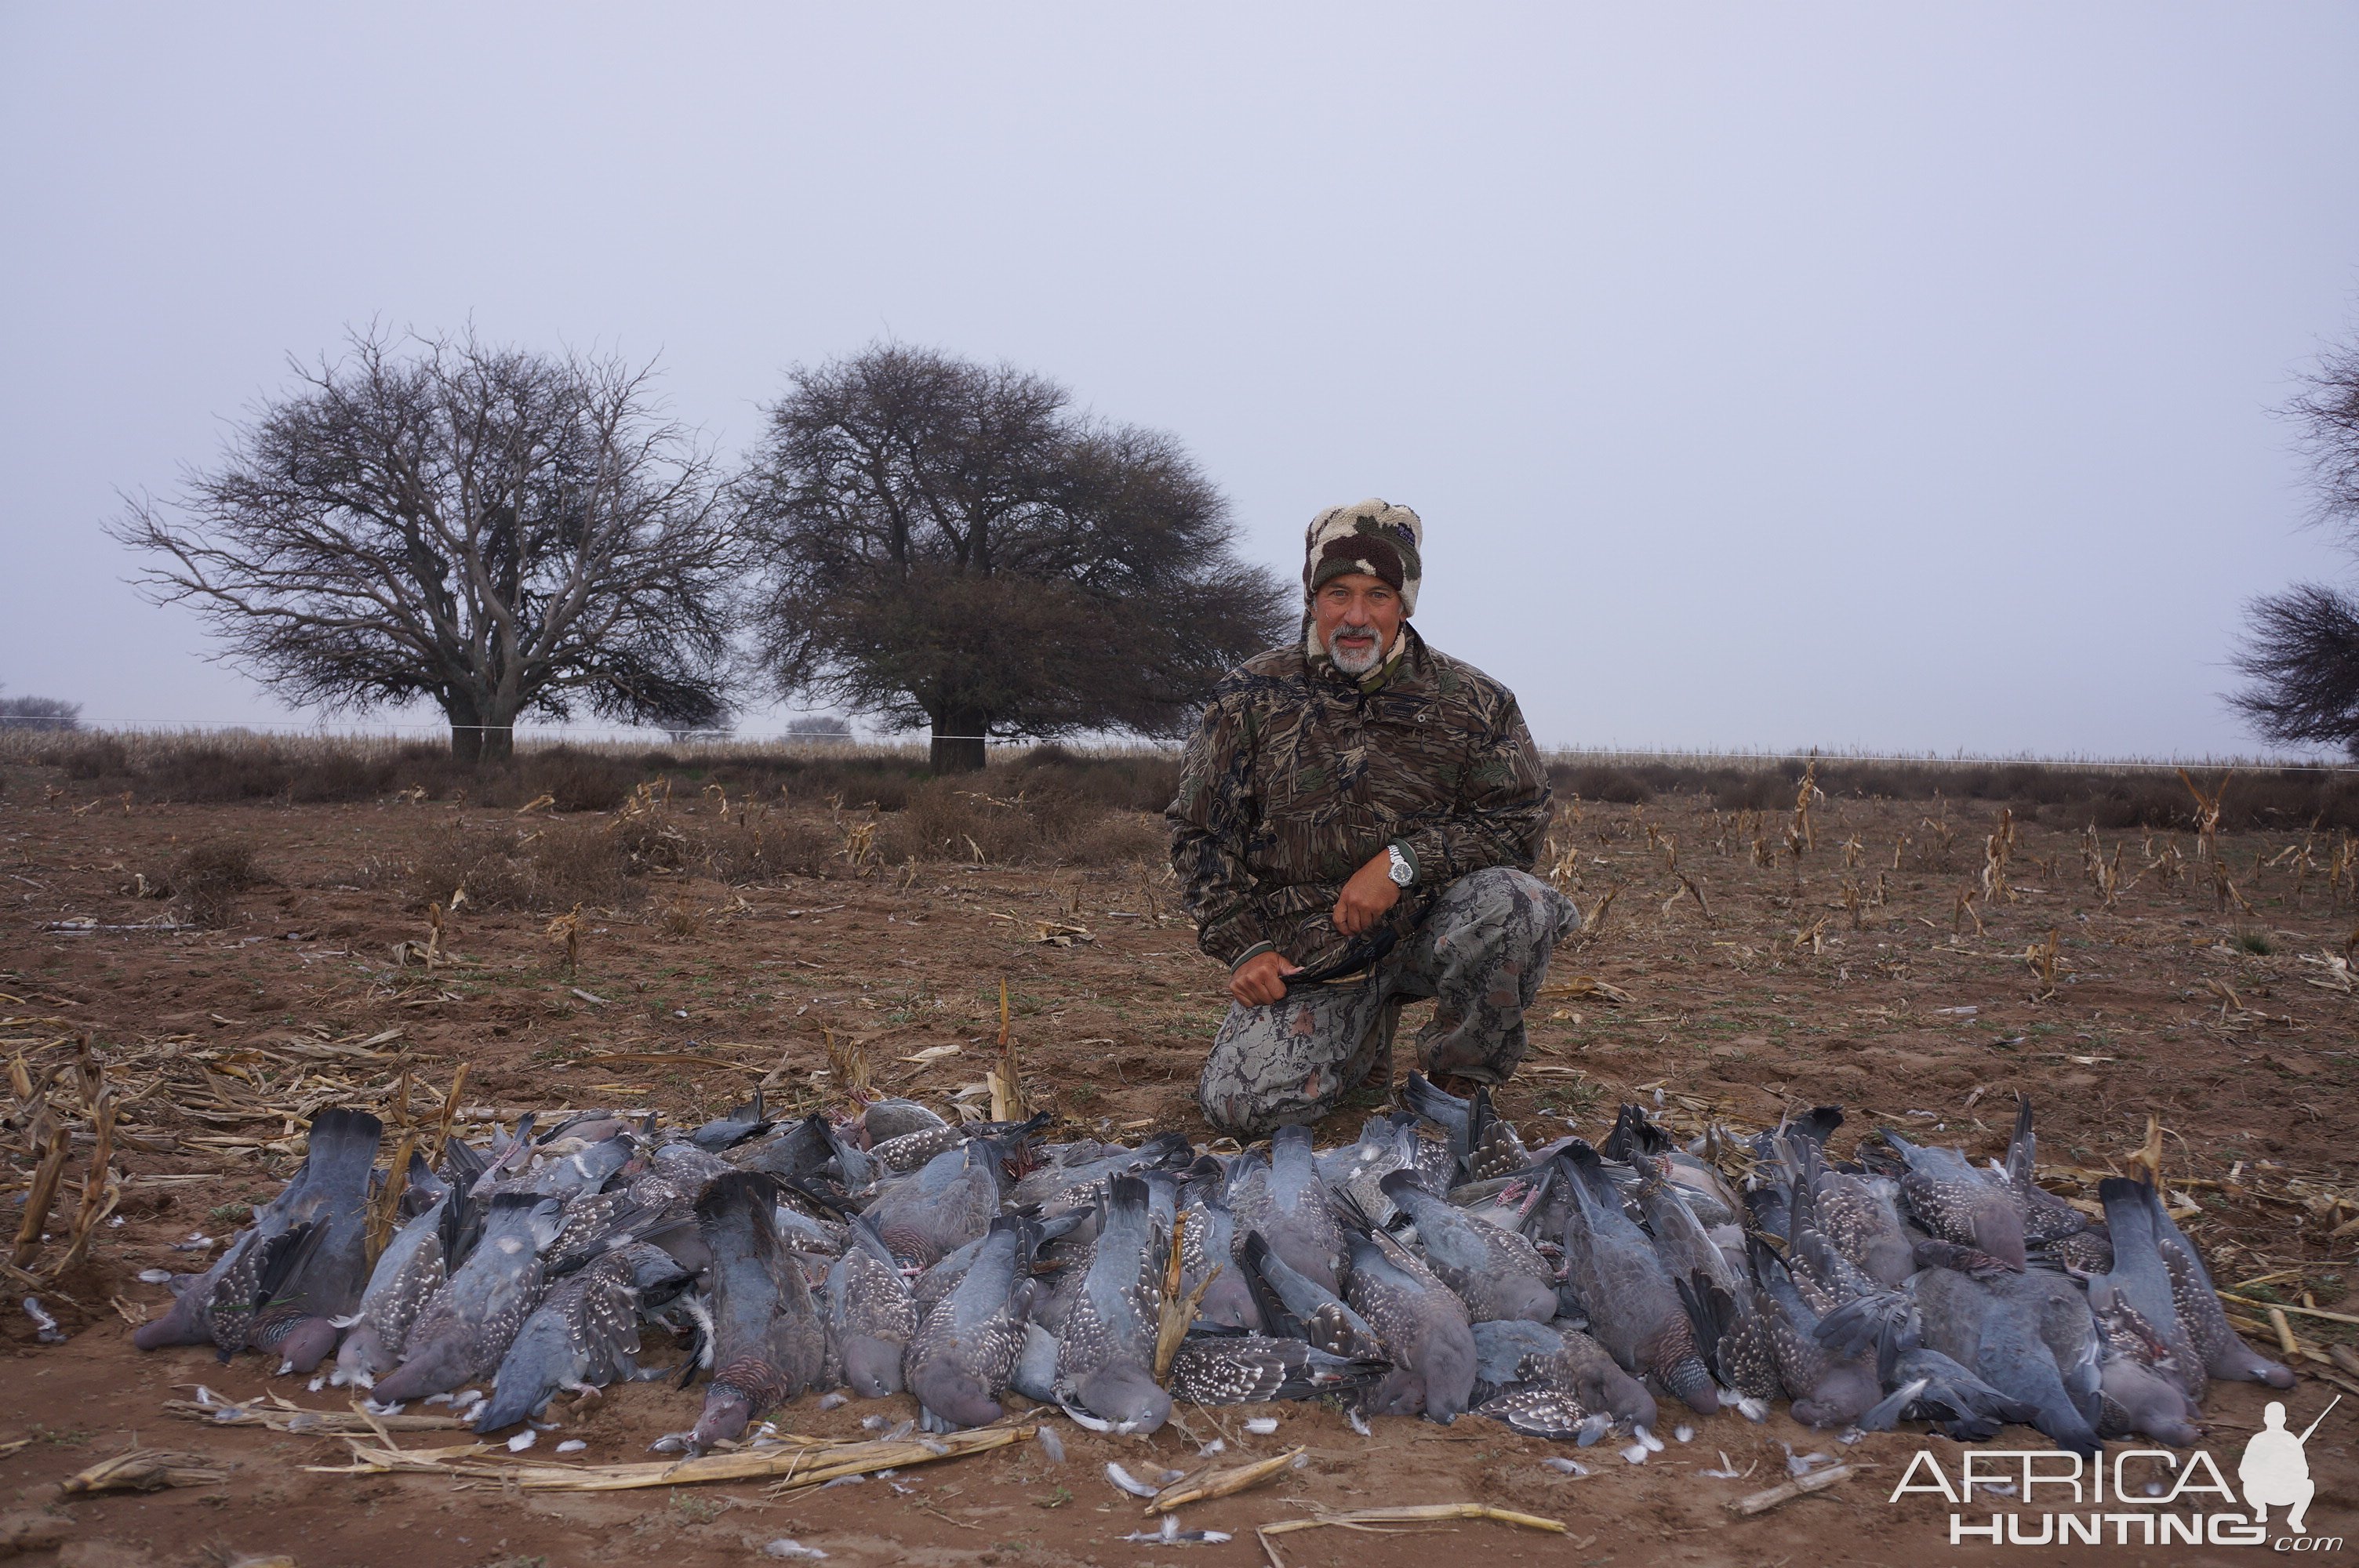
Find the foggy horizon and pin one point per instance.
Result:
(1897, 383)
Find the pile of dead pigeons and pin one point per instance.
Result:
(1438, 1265)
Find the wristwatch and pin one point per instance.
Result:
(1402, 872)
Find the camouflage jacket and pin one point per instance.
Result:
(1297, 775)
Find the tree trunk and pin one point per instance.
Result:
(478, 736)
(958, 741)
(466, 729)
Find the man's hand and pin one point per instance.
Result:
(1261, 980)
(1367, 897)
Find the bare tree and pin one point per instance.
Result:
(503, 532)
(39, 713)
(2303, 648)
(948, 542)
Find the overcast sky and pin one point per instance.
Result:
(1767, 376)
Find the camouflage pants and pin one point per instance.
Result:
(1481, 954)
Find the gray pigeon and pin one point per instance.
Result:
(910, 1151)
(409, 1272)
(577, 1172)
(800, 1151)
(950, 1202)
(1633, 1309)
(1254, 1368)
(1208, 1247)
(871, 1316)
(1735, 1341)
(2049, 1224)
(769, 1344)
(1858, 1216)
(1421, 1324)
(1319, 1317)
(1829, 1387)
(465, 1328)
(2140, 1385)
(2140, 1280)
(1076, 1178)
(966, 1347)
(1108, 1338)
(1958, 1202)
(2225, 1354)
(2018, 1333)
(885, 1119)
(1554, 1382)
(1497, 1273)
(583, 1336)
(740, 1125)
(1680, 1238)
(304, 1255)
(1483, 1146)
(1928, 1386)
(1281, 1198)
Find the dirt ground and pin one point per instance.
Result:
(1769, 986)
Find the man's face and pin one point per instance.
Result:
(1356, 617)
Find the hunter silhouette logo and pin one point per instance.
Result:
(2275, 1470)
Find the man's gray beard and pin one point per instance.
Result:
(1354, 663)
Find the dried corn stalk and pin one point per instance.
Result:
(143, 1470)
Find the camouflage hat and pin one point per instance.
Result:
(1368, 536)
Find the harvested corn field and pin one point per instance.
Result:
(2174, 1001)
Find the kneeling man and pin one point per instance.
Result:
(1355, 826)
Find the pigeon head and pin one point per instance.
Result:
(726, 1413)
(1122, 1393)
(307, 1344)
(957, 1396)
(871, 1366)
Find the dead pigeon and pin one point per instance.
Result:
(1253, 1368)
(966, 1347)
(463, 1330)
(304, 1255)
(2049, 1224)
(1830, 1388)
(2030, 1336)
(1315, 1312)
(871, 1316)
(1421, 1324)
(910, 1151)
(409, 1272)
(800, 1151)
(1106, 1363)
(582, 1335)
(883, 1121)
(1208, 1248)
(2141, 1387)
(769, 1344)
(1497, 1273)
(2225, 1353)
(1929, 1385)
(2140, 1281)
(950, 1202)
(740, 1125)
(1554, 1382)
(1957, 1203)
(1281, 1198)
(1633, 1309)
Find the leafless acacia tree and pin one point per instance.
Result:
(503, 532)
(2303, 648)
(950, 541)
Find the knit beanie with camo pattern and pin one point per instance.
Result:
(1369, 537)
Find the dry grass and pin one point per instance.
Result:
(550, 869)
(204, 879)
